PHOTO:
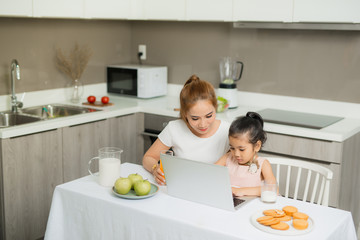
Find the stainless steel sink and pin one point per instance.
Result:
(39, 113)
(9, 119)
(56, 110)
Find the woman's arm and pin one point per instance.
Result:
(222, 160)
(151, 159)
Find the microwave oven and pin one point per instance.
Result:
(142, 81)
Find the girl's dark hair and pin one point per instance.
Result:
(251, 124)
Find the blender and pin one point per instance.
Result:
(230, 72)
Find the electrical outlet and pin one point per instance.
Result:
(142, 49)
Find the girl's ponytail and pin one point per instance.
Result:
(256, 116)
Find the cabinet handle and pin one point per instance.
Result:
(149, 134)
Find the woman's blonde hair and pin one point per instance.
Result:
(195, 89)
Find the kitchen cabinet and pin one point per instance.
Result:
(330, 154)
(108, 9)
(124, 133)
(81, 143)
(319, 11)
(335, 11)
(19, 8)
(349, 186)
(58, 8)
(31, 167)
(209, 10)
(163, 9)
(263, 10)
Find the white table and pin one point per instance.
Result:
(82, 209)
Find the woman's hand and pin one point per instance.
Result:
(237, 192)
(159, 176)
(246, 191)
(151, 159)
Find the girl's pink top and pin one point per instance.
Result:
(240, 175)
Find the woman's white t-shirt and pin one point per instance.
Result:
(187, 145)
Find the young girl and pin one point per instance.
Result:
(246, 168)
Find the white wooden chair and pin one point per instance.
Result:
(321, 191)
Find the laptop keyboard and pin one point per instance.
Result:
(238, 201)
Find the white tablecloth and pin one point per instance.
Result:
(82, 209)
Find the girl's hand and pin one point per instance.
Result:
(159, 176)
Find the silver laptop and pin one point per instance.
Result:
(200, 182)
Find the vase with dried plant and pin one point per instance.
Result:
(73, 65)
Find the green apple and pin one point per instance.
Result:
(142, 187)
(134, 177)
(123, 185)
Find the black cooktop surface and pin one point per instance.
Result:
(298, 119)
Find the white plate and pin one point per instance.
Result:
(290, 231)
(132, 195)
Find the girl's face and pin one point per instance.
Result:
(201, 117)
(242, 150)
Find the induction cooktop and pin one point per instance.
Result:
(298, 119)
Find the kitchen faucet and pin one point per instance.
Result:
(15, 72)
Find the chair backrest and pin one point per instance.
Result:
(302, 167)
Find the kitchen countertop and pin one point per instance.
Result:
(338, 131)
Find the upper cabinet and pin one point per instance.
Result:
(58, 8)
(18, 8)
(263, 10)
(162, 9)
(287, 11)
(108, 9)
(209, 10)
(335, 11)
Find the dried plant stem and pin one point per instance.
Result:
(75, 63)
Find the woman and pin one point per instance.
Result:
(197, 135)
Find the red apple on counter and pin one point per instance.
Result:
(91, 99)
(105, 100)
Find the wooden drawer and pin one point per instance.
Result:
(314, 149)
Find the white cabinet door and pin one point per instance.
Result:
(209, 10)
(16, 8)
(164, 9)
(107, 9)
(339, 11)
(58, 8)
(263, 10)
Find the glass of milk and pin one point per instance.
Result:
(109, 165)
(268, 192)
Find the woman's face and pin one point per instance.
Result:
(201, 117)
(242, 150)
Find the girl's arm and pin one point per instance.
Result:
(267, 172)
(268, 176)
(151, 159)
